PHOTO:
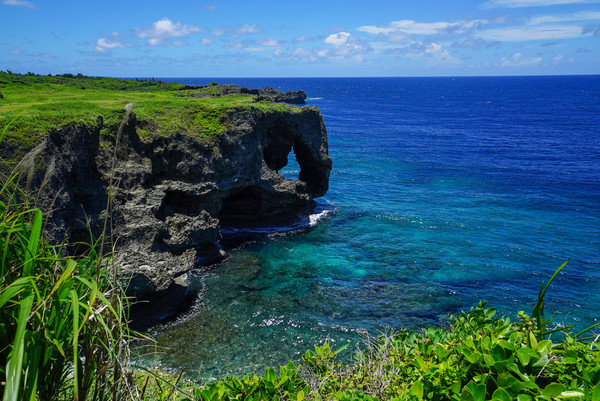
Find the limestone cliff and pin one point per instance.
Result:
(170, 194)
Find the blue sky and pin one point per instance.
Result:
(219, 38)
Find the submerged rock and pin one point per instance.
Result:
(170, 194)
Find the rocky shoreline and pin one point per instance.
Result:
(170, 194)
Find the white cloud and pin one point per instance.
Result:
(433, 52)
(18, 3)
(246, 29)
(206, 41)
(580, 16)
(16, 50)
(109, 43)
(423, 28)
(436, 51)
(531, 3)
(180, 43)
(338, 39)
(302, 38)
(517, 60)
(521, 34)
(240, 45)
(163, 29)
(210, 7)
(218, 32)
(345, 45)
(558, 58)
(270, 42)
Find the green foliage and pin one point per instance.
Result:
(62, 323)
(477, 357)
(46, 103)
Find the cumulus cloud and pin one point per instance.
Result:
(210, 7)
(18, 3)
(206, 41)
(531, 3)
(338, 39)
(345, 45)
(558, 58)
(111, 42)
(164, 29)
(517, 60)
(521, 34)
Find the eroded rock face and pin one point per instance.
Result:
(169, 194)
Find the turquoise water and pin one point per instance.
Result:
(443, 192)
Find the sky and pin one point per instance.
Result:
(308, 38)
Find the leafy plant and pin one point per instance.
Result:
(62, 319)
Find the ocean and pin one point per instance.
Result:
(444, 192)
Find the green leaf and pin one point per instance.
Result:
(523, 356)
(501, 395)
(544, 346)
(270, 375)
(466, 395)
(300, 395)
(455, 388)
(480, 392)
(596, 393)
(340, 349)
(553, 390)
(417, 389)
(498, 353)
(532, 341)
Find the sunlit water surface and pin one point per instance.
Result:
(444, 192)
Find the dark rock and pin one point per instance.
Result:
(275, 95)
(267, 94)
(170, 193)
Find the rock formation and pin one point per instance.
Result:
(169, 194)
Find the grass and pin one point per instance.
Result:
(45, 103)
(62, 319)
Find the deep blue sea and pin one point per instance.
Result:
(444, 192)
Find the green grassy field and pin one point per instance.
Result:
(38, 104)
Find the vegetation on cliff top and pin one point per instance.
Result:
(44, 103)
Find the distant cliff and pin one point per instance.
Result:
(170, 193)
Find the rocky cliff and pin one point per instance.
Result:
(169, 195)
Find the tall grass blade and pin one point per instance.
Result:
(75, 306)
(538, 309)
(588, 329)
(14, 366)
(34, 240)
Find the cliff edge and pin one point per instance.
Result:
(169, 194)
